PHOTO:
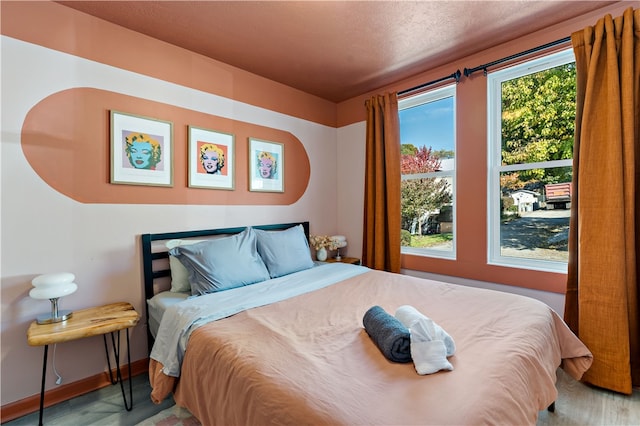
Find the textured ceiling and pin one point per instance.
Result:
(335, 49)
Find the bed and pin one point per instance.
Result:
(292, 349)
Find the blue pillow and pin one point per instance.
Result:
(223, 263)
(284, 252)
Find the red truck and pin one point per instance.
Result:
(557, 195)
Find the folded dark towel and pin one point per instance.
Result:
(388, 333)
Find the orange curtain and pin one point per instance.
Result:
(602, 299)
(381, 236)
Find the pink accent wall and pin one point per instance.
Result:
(471, 156)
(65, 139)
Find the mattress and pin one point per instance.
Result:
(158, 304)
(307, 359)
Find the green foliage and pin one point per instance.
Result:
(538, 122)
(408, 149)
(443, 153)
(508, 209)
(506, 203)
(405, 238)
(425, 241)
(420, 196)
(423, 195)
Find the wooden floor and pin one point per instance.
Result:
(577, 404)
(102, 407)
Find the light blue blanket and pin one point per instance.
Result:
(180, 320)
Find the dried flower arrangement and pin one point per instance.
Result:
(323, 241)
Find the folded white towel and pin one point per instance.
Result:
(429, 357)
(408, 315)
(429, 354)
(429, 349)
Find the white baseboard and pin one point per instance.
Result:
(554, 300)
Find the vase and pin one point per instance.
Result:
(321, 254)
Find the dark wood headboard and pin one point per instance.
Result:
(155, 264)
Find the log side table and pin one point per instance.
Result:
(100, 320)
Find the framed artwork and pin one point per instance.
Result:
(266, 166)
(211, 159)
(141, 150)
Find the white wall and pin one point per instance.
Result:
(350, 186)
(45, 231)
(554, 300)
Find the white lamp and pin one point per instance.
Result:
(52, 287)
(341, 242)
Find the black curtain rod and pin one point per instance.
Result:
(456, 75)
(469, 71)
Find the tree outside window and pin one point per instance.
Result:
(532, 121)
(428, 171)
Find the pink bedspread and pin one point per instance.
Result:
(308, 360)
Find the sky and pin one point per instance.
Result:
(429, 124)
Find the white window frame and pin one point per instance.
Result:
(448, 91)
(495, 167)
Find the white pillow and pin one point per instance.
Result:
(179, 274)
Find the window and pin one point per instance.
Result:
(531, 112)
(427, 135)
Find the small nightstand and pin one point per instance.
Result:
(86, 323)
(351, 260)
